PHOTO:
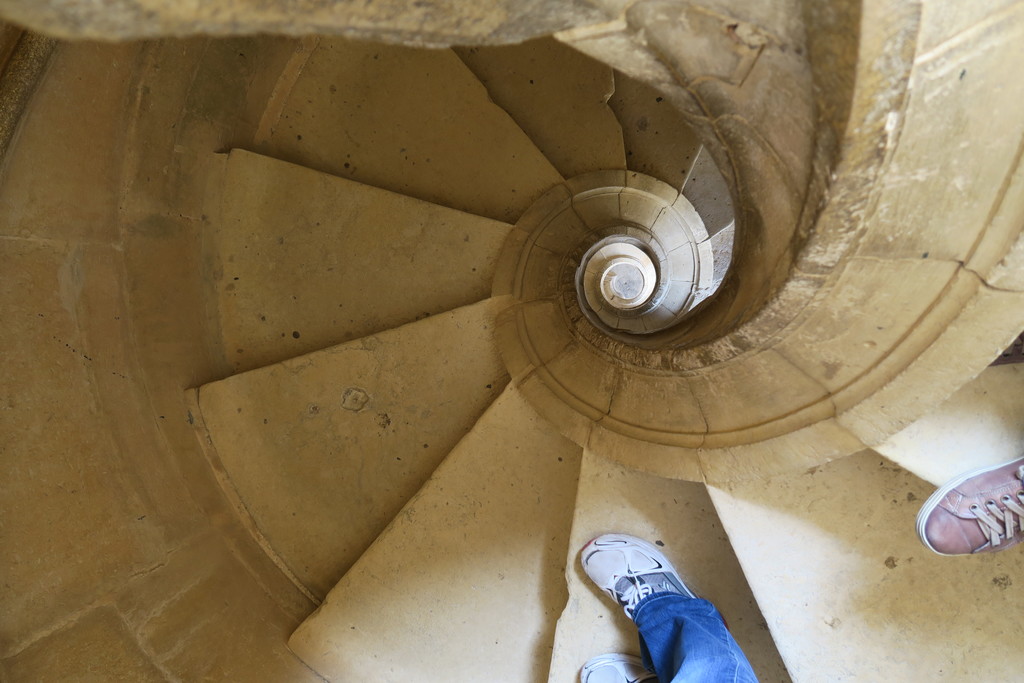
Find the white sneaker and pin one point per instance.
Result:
(629, 569)
(615, 669)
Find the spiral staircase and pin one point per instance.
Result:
(324, 356)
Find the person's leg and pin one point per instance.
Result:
(682, 637)
(685, 640)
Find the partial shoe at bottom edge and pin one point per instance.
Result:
(615, 668)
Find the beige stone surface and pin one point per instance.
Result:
(559, 407)
(577, 371)
(467, 582)
(433, 22)
(678, 515)
(654, 406)
(722, 243)
(744, 396)
(96, 647)
(981, 424)
(193, 97)
(24, 57)
(981, 323)
(774, 194)
(506, 336)
(956, 185)
(969, 322)
(558, 96)
(671, 462)
(941, 22)
(614, 44)
(796, 450)
(1008, 216)
(74, 523)
(867, 323)
(545, 333)
(126, 406)
(658, 140)
(202, 616)
(596, 197)
(198, 615)
(69, 190)
(324, 449)
(523, 349)
(538, 275)
(431, 133)
(10, 35)
(303, 260)
(708, 192)
(88, 495)
(99, 487)
(849, 592)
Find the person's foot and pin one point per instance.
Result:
(978, 512)
(629, 569)
(615, 669)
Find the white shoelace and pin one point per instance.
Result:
(997, 523)
(642, 585)
(635, 596)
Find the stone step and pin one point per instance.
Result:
(849, 592)
(676, 514)
(468, 580)
(302, 260)
(416, 122)
(706, 189)
(658, 140)
(981, 424)
(558, 96)
(321, 451)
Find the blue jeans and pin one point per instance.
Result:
(684, 640)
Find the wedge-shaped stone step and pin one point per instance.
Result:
(981, 424)
(302, 260)
(322, 450)
(467, 581)
(558, 96)
(657, 138)
(410, 120)
(706, 189)
(678, 514)
(849, 592)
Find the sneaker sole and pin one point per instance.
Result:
(934, 500)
